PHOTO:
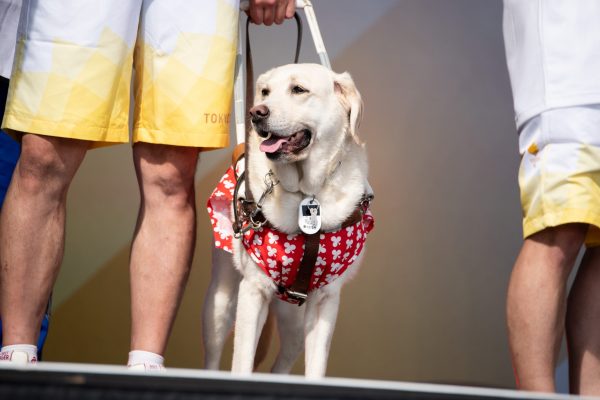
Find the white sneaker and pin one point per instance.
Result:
(17, 357)
(146, 367)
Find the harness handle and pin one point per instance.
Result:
(240, 98)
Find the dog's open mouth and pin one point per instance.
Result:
(286, 144)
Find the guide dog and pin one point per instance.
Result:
(303, 149)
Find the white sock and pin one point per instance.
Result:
(143, 357)
(30, 349)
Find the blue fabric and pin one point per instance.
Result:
(9, 154)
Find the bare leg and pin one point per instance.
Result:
(219, 307)
(583, 327)
(32, 232)
(162, 250)
(536, 303)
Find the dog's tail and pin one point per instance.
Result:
(264, 341)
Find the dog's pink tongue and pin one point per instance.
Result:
(272, 144)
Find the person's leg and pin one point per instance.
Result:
(583, 327)
(536, 303)
(32, 225)
(164, 240)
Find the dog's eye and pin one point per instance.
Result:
(299, 90)
(265, 92)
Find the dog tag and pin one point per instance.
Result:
(309, 215)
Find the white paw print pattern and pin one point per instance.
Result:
(271, 251)
(289, 247)
(228, 184)
(336, 267)
(335, 240)
(273, 238)
(219, 210)
(336, 254)
(285, 260)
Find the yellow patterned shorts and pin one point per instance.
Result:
(559, 175)
(73, 68)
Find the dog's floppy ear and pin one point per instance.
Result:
(351, 101)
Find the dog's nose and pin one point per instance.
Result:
(259, 113)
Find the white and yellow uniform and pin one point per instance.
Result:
(73, 68)
(553, 55)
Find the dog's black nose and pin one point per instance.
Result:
(259, 113)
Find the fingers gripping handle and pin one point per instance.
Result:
(245, 4)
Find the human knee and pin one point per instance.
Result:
(38, 170)
(169, 187)
(566, 240)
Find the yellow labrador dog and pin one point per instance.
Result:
(307, 171)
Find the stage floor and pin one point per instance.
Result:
(85, 381)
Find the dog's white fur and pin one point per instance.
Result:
(333, 167)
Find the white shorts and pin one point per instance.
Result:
(559, 175)
(74, 62)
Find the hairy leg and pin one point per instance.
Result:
(583, 327)
(536, 303)
(163, 243)
(32, 232)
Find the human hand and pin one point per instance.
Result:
(269, 11)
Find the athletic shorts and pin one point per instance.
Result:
(559, 175)
(73, 68)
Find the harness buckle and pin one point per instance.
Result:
(298, 297)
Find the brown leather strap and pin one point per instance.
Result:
(299, 289)
(238, 152)
(250, 86)
(249, 102)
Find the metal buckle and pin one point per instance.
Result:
(366, 202)
(296, 296)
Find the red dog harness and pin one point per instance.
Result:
(279, 254)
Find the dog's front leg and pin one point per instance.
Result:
(321, 315)
(290, 324)
(252, 309)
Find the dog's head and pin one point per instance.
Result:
(299, 106)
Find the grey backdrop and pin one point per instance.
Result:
(428, 304)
